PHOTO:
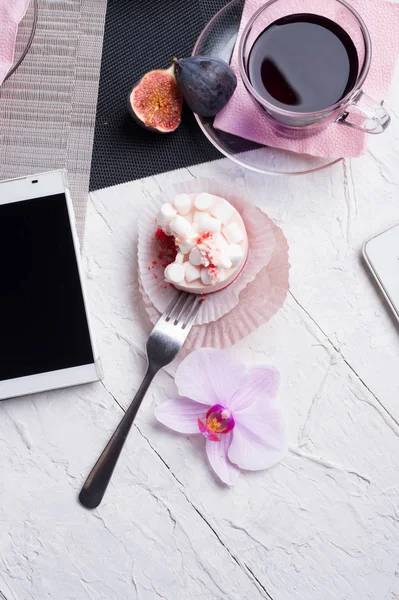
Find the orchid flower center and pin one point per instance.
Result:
(219, 420)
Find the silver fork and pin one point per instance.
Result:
(164, 343)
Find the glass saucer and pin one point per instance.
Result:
(218, 39)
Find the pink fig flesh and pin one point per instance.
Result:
(156, 101)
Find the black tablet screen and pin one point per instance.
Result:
(43, 325)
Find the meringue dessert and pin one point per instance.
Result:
(211, 242)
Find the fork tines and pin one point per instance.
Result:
(183, 310)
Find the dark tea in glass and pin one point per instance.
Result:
(303, 63)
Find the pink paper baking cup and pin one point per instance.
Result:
(261, 237)
(258, 303)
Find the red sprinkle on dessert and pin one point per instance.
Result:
(203, 237)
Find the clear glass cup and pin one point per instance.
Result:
(218, 39)
(25, 39)
(356, 109)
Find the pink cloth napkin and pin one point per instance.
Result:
(244, 118)
(11, 13)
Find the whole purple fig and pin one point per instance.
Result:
(206, 83)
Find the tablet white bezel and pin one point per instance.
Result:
(29, 188)
(381, 254)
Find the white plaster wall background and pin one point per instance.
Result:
(333, 416)
(146, 541)
(321, 525)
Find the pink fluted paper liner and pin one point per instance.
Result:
(259, 302)
(242, 117)
(11, 13)
(261, 235)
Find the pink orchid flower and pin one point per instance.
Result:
(232, 407)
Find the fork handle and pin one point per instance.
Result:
(97, 482)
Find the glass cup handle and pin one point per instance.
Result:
(365, 114)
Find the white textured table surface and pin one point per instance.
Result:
(322, 525)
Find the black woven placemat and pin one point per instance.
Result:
(141, 35)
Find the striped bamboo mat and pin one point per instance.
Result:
(48, 107)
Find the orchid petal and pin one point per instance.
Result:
(181, 414)
(259, 436)
(217, 455)
(209, 376)
(260, 382)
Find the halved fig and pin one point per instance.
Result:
(156, 102)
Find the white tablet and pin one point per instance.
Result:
(381, 254)
(46, 340)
